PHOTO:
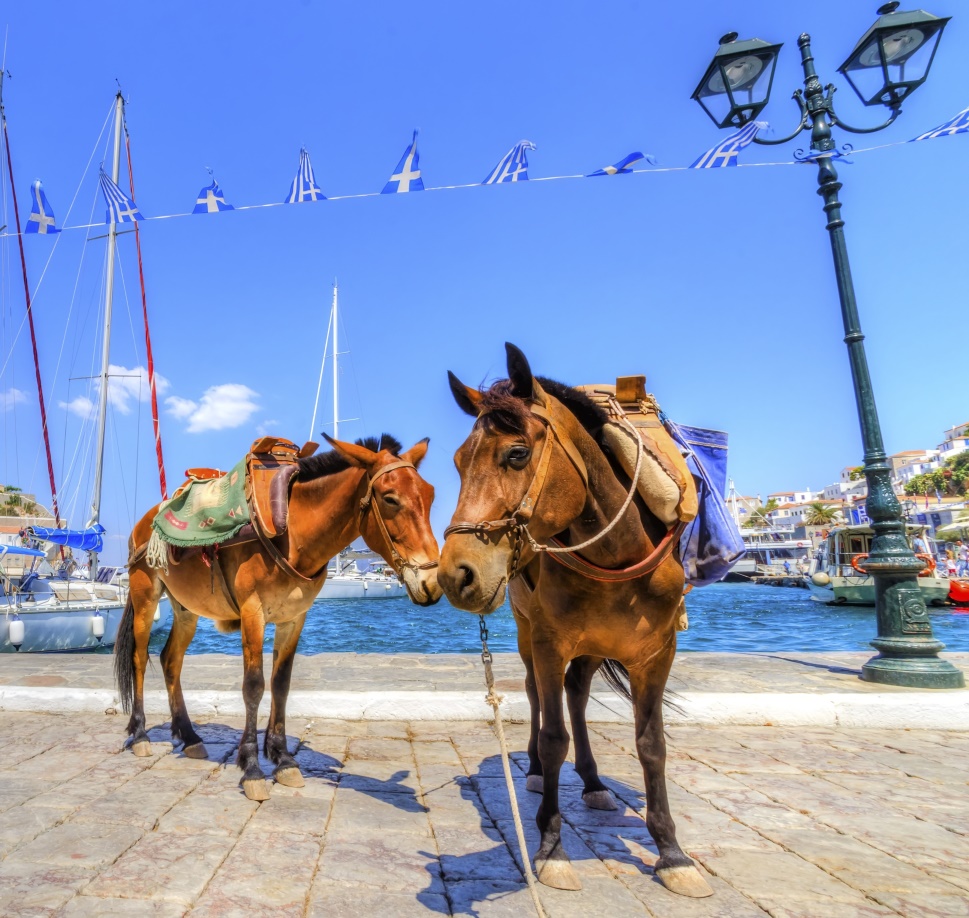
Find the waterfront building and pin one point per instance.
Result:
(956, 441)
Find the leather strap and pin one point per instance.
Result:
(653, 560)
(280, 559)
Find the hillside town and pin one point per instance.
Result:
(930, 483)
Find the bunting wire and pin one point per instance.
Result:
(546, 178)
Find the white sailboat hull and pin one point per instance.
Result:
(50, 627)
(341, 587)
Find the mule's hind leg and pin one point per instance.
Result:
(172, 657)
(131, 652)
(674, 869)
(284, 651)
(253, 684)
(578, 681)
(551, 862)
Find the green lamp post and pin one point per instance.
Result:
(891, 60)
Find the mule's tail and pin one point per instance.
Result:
(617, 678)
(124, 656)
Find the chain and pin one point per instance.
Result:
(494, 699)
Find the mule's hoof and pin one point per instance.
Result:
(256, 789)
(684, 881)
(557, 873)
(600, 800)
(142, 748)
(196, 751)
(289, 777)
(535, 784)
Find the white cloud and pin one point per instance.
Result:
(82, 406)
(220, 408)
(11, 397)
(267, 427)
(127, 385)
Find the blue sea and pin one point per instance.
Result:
(734, 617)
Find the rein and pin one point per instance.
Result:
(567, 555)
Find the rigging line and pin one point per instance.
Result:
(117, 445)
(319, 384)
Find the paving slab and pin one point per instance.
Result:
(413, 818)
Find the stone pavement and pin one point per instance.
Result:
(411, 818)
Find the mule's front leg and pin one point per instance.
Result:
(533, 780)
(253, 683)
(551, 862)
(674, 869)
(172, 657)
(578, 681)
(284, 651)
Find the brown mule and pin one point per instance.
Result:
(327, 512)
(532, 470)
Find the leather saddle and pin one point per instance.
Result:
(271, 467)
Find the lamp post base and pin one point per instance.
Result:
(926, 672)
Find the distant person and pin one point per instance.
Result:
(962, 558)
(787, 567)
(919, 546)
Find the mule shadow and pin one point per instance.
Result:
(483, 864)
(222, 743)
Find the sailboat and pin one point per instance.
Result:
(346, 579)
(47, 601)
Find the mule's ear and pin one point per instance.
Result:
(519, 372)
(355, 454)
(468, 399)
(415, 455)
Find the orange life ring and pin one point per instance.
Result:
(929, 563)
(854, 562)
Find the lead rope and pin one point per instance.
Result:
(494, 699)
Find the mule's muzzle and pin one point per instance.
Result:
(469, 584)
(423, 586)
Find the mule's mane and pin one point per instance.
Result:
(331, 461)
(503, 410)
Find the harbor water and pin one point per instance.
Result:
(735, 618)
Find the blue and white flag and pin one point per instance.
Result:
(726, 153)
(211, 200)
(407, 175)
(957, 125)
(304, 187)
(513, 166)
(41, 219)
(121, 209)
(623, 167)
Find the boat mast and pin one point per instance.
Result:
(106, 346)
(336, 401)
(30, 313)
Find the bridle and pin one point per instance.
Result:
(567, 555)
(397, 561)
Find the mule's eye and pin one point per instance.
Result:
(517, 457)
(391, 501)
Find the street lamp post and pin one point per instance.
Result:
(890, 61)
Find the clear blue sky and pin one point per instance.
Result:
(718, 285)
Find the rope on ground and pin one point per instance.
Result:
(494, 699)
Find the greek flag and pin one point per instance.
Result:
(304, 187)
(957, 125)
(41, 219)
(622, 167)
(121, 209)
(211, 200)
(513, 166)
(407, 175)
(726, 153)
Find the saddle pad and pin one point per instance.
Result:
(655, 486)
(205, 512)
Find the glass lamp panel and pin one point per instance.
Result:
(907, 57)
(717, 106)
(867, 82)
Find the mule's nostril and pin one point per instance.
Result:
(468, 579)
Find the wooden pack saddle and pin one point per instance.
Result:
(665, 482)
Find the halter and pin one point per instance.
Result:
(567, 555)
(397, 562)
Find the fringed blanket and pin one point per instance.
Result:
(205, 512)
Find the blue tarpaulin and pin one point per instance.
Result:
(89, 539)
(20, 550)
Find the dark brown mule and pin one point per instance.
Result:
(326, 514)
(532, 469)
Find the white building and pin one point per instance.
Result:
(956, 441)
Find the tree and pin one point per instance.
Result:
(758, 518)
(952, 478)
(821, 514)
(856, 473)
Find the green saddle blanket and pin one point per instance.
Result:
(205, 512)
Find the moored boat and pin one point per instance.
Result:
(837, 570)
